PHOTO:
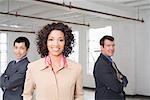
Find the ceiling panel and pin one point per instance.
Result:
(141, 4)
(37, 9)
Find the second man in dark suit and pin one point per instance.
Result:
(12, 80)
(109, 80)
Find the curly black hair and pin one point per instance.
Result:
(42, 36)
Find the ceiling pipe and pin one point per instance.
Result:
(89, 10)
(4, 30)
(40, 18)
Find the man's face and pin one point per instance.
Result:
(20, 50)
(109, 48)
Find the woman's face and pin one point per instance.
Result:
(56, 42)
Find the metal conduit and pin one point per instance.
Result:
(89, 10)
(40, 18)
(4, 30)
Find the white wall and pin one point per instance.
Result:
(143, 55)
(125, 51)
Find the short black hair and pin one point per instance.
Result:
(106, 37)
(22, 39)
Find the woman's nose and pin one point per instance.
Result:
(55, 42)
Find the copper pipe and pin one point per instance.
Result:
(89, 10)
(40, 18)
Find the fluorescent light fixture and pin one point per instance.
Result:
(14, 26)
(3, 25)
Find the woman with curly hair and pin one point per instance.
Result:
(53, 76)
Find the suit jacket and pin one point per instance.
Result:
(108, 87)
(12, 80)
(66, 84)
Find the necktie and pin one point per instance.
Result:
(119, 76)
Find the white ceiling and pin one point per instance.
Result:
(39, 9)
(137, 4)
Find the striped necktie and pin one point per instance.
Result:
(119, 76)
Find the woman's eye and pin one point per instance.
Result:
(61, 40)
(50, 39)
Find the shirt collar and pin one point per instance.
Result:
(108, 57)
(63, 63)
(20, 59)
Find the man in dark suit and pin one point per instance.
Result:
(12, 80)
(109, 80)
